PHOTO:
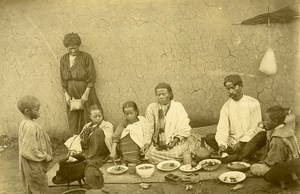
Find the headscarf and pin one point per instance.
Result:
(71, 39)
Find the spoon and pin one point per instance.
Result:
(117, 168)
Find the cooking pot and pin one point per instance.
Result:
(72, 171)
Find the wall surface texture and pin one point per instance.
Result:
(136, 44)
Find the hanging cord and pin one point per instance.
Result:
(269, 25)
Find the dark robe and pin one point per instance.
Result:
(74, 81)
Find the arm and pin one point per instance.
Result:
(90, 71)
(84, 135)
(151, 122)
(277, 153)
(91, 76)
(118, 132)
(223, 127)
(255, 119)
(63, 80)
(116, 138)
(30, 145)
(183, 127)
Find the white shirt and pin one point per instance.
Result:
(238, 121)
(71, 59)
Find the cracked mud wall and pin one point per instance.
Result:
(190, 44)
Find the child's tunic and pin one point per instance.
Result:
(34, 147)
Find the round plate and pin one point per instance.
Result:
(239, 166)
(210, 164)
(113, 170)
(232, 177)
(189, 168)
(168, 165)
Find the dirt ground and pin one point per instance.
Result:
(10, 181)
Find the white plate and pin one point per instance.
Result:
(113, 171)
(189, 168)
(239, 166)
(161, 165)
(232, 177)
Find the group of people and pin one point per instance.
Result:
(161, 135)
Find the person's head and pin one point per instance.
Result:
(96, 114)
(164, 93)
(130, 111)
(29, 106)
(234, 85)
(72, 42)
(274, 117)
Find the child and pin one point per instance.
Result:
(130, 135)
(281, 144)
(96, 137)
(35, 151)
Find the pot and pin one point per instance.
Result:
(72, 171)
(202, 152)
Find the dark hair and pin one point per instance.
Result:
(165, 86)
(26, 102)
(72, 39)
(96, 107)
(130, 104)
(277, 113)
(235, 79)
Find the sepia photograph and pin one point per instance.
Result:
(149, 96)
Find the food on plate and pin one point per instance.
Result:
(168, 166)
(145, 167)
(209, 163)
(194, 164)
(231, 179)
(117, 169)
(238, 165)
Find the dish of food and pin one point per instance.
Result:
(232, 177)
(239, 166)
(210, 164)
(189, 168)
(169, 165)
(119, 169)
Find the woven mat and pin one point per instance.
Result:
(157, 177)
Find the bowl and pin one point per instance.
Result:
(145, 170)
(239, 166)
(210, 164)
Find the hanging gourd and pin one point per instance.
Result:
(268, 64)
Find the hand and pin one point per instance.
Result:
(68, 98)
(222, 149)
(85, 97)
(113, 155)
(48, 158)
(145, 148)
(173, 142)
(238, 146)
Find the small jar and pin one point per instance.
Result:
(131, 168)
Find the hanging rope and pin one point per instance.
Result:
(269, 26)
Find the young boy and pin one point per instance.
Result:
(282, 144)
(96, 137)
(35, 151)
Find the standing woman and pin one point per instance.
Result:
(78, 76)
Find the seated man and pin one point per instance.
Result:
(281, 145)
(238, 133)
(169, 127)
